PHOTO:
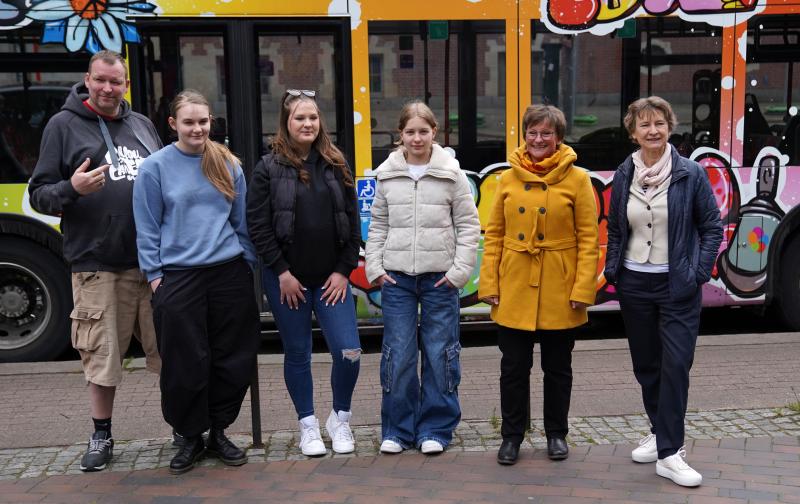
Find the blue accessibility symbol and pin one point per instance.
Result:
(365, 188)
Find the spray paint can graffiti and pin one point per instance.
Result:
(743, 266)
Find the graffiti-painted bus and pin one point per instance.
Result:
(731, 69)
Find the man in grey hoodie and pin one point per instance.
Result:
(89, 158)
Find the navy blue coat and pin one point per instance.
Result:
(693, 221)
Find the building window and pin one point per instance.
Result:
(376, 73)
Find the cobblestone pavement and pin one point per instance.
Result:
(473, 436)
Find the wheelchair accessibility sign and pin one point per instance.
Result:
(365, 190)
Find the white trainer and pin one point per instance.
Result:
(310, 439)
(647, 450)
(389, 446)
(431, 447)
(676, 469)
(338, 427)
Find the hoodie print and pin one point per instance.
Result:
(129, 161)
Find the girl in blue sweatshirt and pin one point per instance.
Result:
(189, 208)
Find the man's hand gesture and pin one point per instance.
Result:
(87, 182)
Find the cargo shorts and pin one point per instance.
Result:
(110, 307)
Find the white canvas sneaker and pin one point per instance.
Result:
(431, 447)
(647, 450)
(389, 446)
(310, 439)
(676, 469)
(338, 427)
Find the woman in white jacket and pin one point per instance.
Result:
(421, 250)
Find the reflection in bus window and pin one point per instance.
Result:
(458, 68)
(566, 73)
(177, 62)
(681, 63)
(27, 101)
(299, 61)
(772, 96)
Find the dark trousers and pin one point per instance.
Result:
(661, 335)
(515, 380)
(207, 326)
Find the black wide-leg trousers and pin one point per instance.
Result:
(207, 325)
(516, 347)
(662, 335)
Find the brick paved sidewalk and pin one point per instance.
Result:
(470, 436)
(734, 470)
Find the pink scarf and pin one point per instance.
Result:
(649, 178)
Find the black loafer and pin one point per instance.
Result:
(557, 448)
(188, 454)
(218, 445)
(508, 453)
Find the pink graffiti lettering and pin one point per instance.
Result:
(583, 14)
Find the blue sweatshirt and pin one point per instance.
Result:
(182, 220)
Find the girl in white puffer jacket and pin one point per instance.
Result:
(421, 249)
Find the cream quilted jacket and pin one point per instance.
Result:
(424, 226)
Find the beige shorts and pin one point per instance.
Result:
(110, 307)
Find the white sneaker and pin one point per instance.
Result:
(676, 469)
(647, 450)
(431, 447)
(338, 427)
(310, 439)
(389, 446)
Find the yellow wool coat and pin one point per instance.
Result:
(540, 245)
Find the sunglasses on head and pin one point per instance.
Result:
(297, 92)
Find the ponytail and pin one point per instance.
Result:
(216, 157)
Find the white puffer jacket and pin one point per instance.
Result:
(424, 226)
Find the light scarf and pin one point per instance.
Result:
(650, 177)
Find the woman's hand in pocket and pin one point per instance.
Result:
(155, 283)
(444, 281)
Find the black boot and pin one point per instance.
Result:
(221, 447)
(508, 453)
(188, 454)
(557, 448)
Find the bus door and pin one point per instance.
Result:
(243, 67)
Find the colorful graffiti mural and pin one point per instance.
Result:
(770, 189)
(605, 16)
(79, 24)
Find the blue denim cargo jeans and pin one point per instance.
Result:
(419, 408)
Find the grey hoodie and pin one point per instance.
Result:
(99, 232)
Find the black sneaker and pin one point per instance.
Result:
(221, 447)
(188, 454)
(99, 453)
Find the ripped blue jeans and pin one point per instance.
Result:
(338, 323)
(419, 408)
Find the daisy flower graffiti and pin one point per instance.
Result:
(89, 24)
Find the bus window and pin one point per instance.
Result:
(772, 96)
(582, 75)
(296, 61)
(462, 78)
(176, 61)
(681, 63)
(31, 91)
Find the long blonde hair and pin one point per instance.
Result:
(216, 157)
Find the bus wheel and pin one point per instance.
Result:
(35, 301)
(789, 300)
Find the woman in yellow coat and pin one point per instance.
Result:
(538, 274)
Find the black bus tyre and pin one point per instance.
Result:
(789, 278)
(35, 302)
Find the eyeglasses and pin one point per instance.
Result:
(544, 135)
(297, 92)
